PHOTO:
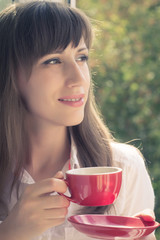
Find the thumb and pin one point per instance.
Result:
(146, 215)
(59, 175)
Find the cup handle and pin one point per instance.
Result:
(67, 197)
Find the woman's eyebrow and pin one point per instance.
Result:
(59, 51)
(81, 49)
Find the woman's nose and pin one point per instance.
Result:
(75, 74)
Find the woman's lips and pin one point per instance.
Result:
(73, 100)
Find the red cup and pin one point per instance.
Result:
(94, 186)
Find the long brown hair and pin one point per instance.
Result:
(28, 31)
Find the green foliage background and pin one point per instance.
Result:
(126, 69)
(125, 65)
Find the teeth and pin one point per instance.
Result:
(71, 100)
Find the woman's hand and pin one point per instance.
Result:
(147, 215)
(36, 210)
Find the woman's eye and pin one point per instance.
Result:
(52, 61)
(83, 58)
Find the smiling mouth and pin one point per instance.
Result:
(70, 100)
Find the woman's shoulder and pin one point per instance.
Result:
(127, 154)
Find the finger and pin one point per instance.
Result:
(146, 215)
(147, 218)
(54, 222)
(46, 186)
(54, 201)
(59, 175)
(55, 213)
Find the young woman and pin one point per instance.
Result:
(49, 123)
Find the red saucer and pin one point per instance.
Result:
(109, 227)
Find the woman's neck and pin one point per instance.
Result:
(49, 150)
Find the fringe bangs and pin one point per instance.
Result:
(43, 27)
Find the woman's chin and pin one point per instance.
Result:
(74, 122)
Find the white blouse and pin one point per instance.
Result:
(134, 196)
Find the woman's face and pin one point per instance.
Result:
(57, 88)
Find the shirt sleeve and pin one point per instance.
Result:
(136, 192)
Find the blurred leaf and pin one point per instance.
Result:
(126, 66)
